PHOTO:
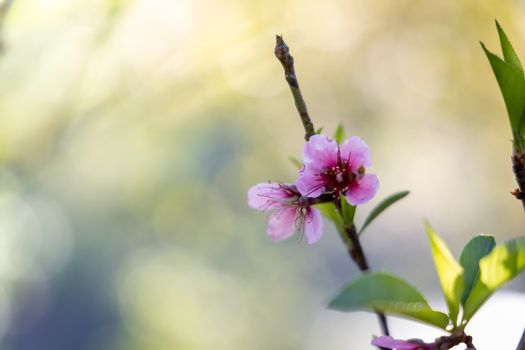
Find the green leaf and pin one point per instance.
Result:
(348, 211)
(476, 248)
(509, 54)
(340, 135)
(512, 85)
(382, 206)
(320, 130)
(329, 211)
(342, 218)
(504, 262)
(296, 162)
(389, 294)
(450, 273)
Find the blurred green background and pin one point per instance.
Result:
(130, 132)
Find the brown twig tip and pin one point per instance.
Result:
(282, 52)
(280, 42)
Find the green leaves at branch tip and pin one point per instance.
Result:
(509, 54)
(502, 264)
(485, 267)
(511, 80)
(450, 273)
(382, 206)
(389, 294)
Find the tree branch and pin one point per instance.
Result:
(283, 55)
(355, 250)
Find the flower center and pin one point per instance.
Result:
(338, 178)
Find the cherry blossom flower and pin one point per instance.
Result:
(396, 344)
(290, 211)
(339, 169)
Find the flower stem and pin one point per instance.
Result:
(283, 55)
(356, 251)
(518, 166)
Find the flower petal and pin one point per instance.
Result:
(313, 225)
(266, 195)
(362, 189)
(357, 151)
(282, 223)
(320, 152)
(391, 343)
(309, 183)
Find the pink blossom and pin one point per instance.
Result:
(289, 212)
(396, 344)
(339, 169)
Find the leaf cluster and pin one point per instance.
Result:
(483, 268)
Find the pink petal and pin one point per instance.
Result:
(319, 153)
(358, 151)
(282, 223)
(313, 225)
(362, 189)
(266, 196)
(309, 184)
(391, 343)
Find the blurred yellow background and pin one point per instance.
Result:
(130, 132)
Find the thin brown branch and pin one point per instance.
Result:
(355, 250)
(283, 55)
